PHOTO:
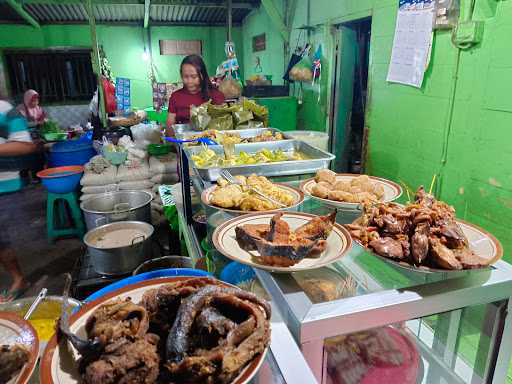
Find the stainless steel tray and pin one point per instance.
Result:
(243, 133)
(317, 159)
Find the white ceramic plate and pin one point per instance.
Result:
(481, 242)
(339, 242)
(15, 330)
(59, 365)
(298, 198)
(392, 190)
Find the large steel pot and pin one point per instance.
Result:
(111, 207)
(122, 259)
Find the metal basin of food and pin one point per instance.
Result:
(163, 263)
(44, 318)
(111, 207)
(118, 248)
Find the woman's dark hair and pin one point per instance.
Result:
(197, 62)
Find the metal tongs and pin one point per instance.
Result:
(232, 180)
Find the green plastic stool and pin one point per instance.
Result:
(57, 216)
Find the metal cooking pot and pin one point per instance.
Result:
(123, 259)
(111, 207)
(163, 263)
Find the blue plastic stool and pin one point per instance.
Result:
(57, 216)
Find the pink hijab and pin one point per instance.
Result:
(32, 114)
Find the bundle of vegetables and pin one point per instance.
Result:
(50, 126)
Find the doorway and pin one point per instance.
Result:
(351, 89)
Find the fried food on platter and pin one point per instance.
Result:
(241, 197)
(357, 190)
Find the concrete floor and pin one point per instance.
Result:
(23, 216)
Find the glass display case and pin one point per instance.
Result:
(407, 325)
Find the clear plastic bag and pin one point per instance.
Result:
(302, 70)
(231, 88)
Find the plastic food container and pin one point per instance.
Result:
(115, 158)
(318, 140)
(159, 149)
(61, 179)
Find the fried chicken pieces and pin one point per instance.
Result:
(279, 246)
(12, 359)
(358, 190)
(191, 331)
(423, 233)
(240, 197)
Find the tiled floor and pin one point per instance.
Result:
(23, 217)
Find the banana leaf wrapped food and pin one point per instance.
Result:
(259, 112)
(199, 117)
(221, 123)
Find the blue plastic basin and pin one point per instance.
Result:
(70, 152)
(61, 179)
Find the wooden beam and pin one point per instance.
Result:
(147, 4)
(96, 61)
(275, 16)
(188, 3)
(24, 14)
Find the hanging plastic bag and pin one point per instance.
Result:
(199, 117)
(302, 70)
(230, 88)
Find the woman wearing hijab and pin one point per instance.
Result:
(31, 109)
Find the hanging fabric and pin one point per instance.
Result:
(317, 70)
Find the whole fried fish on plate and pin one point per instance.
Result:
(280, 246)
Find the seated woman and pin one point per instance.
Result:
(31, 110)
(197, 89)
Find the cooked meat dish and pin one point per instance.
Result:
(12, 359)
(192, 331)
(279, 246)
(422, 233)
(358, 190)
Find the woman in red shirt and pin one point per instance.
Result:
(197, 89)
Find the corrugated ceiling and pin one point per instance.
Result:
(130, 12)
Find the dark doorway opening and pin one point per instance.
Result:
(350, 131)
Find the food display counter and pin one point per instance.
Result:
(454, 324)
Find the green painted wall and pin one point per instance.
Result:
(411, 137)
(272, 58)
(124, 46)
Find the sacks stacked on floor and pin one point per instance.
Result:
(99, 177)
(164, 170)
(135, 176)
